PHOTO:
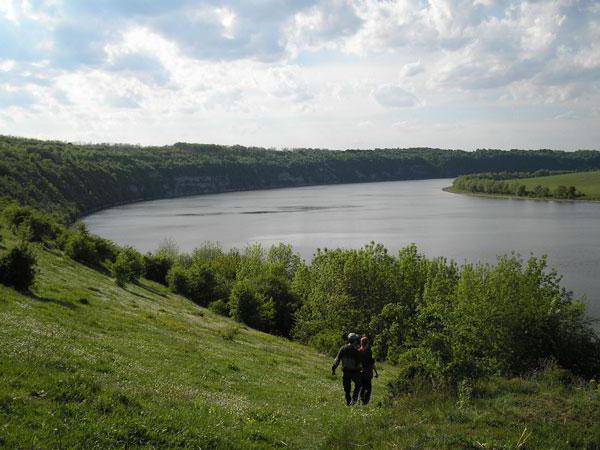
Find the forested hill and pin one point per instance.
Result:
(75, 179)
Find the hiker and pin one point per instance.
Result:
(350, 358)
(368, 367)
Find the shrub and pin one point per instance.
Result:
(128, 266)
(156, 267)
(31, 224)
(87, 249)
(177, 280)
(17, 267)
(420, 370)
(81, 248)
(327, 341)
(229, 332)
(201, 284)
(219, 307)
(245, 304)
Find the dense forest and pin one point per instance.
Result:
(71, 180)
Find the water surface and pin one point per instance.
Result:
(394, 213)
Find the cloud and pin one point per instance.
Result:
(127, 101)
(146, 67)
(394, 96)
(305, 70)
(17, 98)
(412, 69)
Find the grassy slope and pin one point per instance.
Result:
(143, 367)
(586, 182)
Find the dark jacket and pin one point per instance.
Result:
(368, 362)
(350, 358)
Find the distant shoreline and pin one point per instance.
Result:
(450, 190)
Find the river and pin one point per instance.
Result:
(397, 213)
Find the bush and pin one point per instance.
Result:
(128, 266)
(420, 370)
(201, 284)
(229, 332)
(31, 224)
(17, 268)
(81, 248)
(156, 267)
(177, 280)
(250, 307)
(87, 249)
(219, 307)
(328, 342)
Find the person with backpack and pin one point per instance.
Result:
(351, 360)
(368, 368)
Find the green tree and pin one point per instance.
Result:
(128, 266)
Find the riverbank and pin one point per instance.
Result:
(572, 186)
(451, 190)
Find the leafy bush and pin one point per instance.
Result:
(229, 332)
(157, 266)
(88, 249)
(17, 267)
(177, 280)
(249, 306)
(30, 224)
(201, 284)
(219, 307)
(128, 266)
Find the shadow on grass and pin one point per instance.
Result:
(56, 301)
(154, 291)
(137, 294)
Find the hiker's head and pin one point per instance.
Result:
(354, 339)
(364, 342)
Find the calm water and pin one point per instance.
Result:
(393, 213)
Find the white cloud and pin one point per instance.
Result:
(394, 96)
(308, 72)
(412, 69)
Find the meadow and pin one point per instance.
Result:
(85, 363)
(588, 183)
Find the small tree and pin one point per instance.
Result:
(81, 248)
(178, 281)
(157, 266)
(128, 266)
(17, 267)
(244, 304)
(30, 224)
(202, 284)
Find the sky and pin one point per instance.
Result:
(303, 73)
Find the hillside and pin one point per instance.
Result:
(74, 179)
(87, 364)
(588, 183)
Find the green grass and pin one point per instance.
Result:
(84, 363)
(586, 182)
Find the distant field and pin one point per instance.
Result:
(586, 182)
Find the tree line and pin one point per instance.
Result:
(440, 321)
(496, 183)
(72, 180)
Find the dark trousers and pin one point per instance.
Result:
(349, 378)
(365, 389)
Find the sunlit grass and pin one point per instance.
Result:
(84, 363)
(586, 182)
